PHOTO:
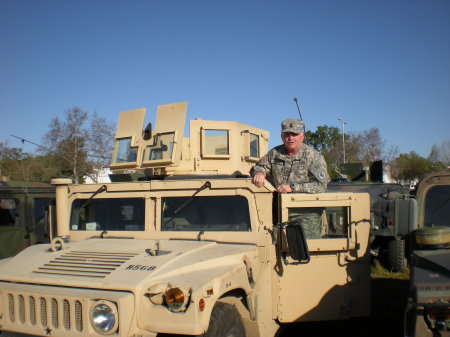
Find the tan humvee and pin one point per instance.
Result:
(191, 247)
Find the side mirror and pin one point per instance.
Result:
(290, 240)
(297, 244)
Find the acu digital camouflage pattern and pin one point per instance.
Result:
(292, 125)
(310, 218)
(307, 170)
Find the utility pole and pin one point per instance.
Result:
(343, 138)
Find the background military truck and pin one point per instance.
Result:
(188, 247)
(428, 308)
(22, 215)
(393, 213)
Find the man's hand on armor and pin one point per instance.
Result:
(259, 179)
(284, 188)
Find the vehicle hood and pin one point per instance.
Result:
(122, 264)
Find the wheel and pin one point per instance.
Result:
(225, 322)
(397, 255)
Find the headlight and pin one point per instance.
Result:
(104, 317)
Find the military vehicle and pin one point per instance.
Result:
(428, 308)
(393, 214)
(22, 215)
(181, 242)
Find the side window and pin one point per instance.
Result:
(9, 212)
(118, 214)
(322, 222)
(437, 206)
(124, 153)
(39, 207)
(254, 145)
(162, 150)
(215, 143)
(212, 213)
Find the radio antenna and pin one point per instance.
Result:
(298, 108)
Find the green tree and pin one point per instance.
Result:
(410, 168)
(325, 140)
(17, 165)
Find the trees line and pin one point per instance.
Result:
(81, 143)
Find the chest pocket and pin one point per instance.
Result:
(299, 173)
(284, 172)
(278, 171)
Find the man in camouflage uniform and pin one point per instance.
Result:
(295, 167)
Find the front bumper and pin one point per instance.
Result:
(59, 311)
(427, 319)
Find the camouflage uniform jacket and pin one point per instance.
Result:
(305, 172)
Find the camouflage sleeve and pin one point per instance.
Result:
(312, 187)
(263, 165)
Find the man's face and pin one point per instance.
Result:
(292, 141)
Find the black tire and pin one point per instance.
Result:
(397, 256)
(225, 322)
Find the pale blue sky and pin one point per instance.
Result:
(382, 64)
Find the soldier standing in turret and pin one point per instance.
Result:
(295, 167)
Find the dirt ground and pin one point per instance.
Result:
(388, 304)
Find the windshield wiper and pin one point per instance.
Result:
(100, 190)
(188, 202)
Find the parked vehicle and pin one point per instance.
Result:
(393, 214)
(428, 308)
(181, 242)
(22, 215)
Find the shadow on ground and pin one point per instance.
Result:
(388, 304)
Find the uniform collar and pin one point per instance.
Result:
(282, 154)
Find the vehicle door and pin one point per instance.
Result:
(335, 282)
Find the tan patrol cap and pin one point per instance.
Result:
(292, 125)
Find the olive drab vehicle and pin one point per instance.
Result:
(181, 242)
(393, 216)
(428, 308)
(23, 208)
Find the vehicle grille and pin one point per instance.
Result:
(48, 312)
(87, 264)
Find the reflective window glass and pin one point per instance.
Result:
(9, 212)
(124, 152)
(162, 149)
(121, 214)
(212, 213)
(321, 222)
(437, 206)
(216, 142)
(254, 145)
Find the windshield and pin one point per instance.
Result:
(212, 213)
(437, 206)
(121, 214)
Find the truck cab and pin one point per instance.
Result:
(428, 307)
(23, 210)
